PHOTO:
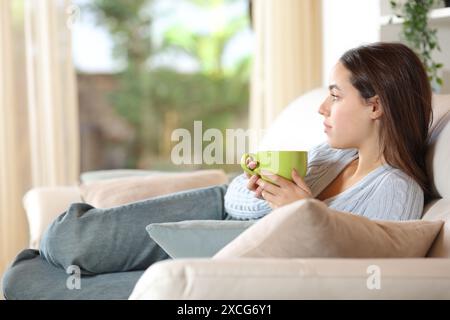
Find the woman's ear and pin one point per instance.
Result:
(376, 109)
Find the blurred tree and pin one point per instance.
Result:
(159, 100)
(208, 48)
(129, 24)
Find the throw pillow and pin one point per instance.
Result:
(195, 238)
(96, 175)
(115, 192)
(308, 228)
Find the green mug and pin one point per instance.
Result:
(277, 162)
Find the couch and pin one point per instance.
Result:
(306, 278)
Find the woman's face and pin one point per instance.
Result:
(346, 112)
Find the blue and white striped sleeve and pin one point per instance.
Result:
(398, 197)
(241, 203)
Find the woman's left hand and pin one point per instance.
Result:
(285, 191)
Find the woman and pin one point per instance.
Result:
(376, 117)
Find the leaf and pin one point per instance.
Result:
(417, 33)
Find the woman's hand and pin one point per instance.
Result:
(286, 192)
(251, 184)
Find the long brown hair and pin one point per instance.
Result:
(395, 73)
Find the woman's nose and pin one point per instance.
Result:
(323, 109)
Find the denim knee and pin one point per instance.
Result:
(60, 238)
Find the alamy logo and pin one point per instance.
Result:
(189, 150)
(74, 14)
(374, 280)
(74, 280)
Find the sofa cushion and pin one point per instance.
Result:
(289, 279)
(439, 209)
(195, 238)
(438, 146)
(115, 192)
(96, 175)
(43, 204)
(308, 228)
(299, 126)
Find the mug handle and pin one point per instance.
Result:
(244, 158)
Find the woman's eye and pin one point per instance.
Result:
(334, 97)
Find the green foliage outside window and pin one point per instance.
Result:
(158, 100)
(419, 35)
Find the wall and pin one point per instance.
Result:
(347, 24)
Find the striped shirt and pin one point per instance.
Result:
(386, 193)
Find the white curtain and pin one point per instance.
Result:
(12, 219)
(53, 112)
(287, 57)
(39, 132)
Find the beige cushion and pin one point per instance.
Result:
(308, 228)
(115, 192)
(97, 175)
(439, 210)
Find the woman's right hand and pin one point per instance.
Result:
(251, 184)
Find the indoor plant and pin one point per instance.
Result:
(418, 34)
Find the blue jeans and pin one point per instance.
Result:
(115, 239)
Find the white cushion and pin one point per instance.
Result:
(305, 278)
(43, 205)
(439, 148)
(299, 126)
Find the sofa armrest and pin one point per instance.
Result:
(314, 278)
(43, 205)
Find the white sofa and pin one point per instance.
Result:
(330, 278)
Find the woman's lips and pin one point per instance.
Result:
(326, 126)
